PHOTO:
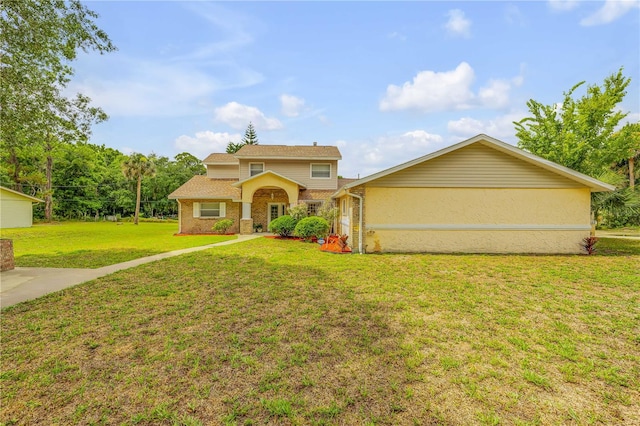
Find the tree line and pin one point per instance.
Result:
(90, 180)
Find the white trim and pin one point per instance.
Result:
(319, 164)
(267, 172)
(474, 227)
(280, 212)
(222, 210)
(29, 197)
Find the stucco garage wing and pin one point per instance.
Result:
(476, 220)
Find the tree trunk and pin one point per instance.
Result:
(632, 177)
(135, 218)
(48, 188)
(13, 159)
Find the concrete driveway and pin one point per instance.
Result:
(22, 284)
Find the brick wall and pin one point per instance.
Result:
(6, 252)
(200, 225)
(261, 199)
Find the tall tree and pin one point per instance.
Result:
(250, 138)
(135, 167)
(583, 134)
(578, 133)
(38, 41)
(625, 150)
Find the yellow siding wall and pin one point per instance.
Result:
(269, 181)
(475, 166)
(489, 220)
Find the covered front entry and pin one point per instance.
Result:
(265, 197)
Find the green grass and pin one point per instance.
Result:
(278, 332)
(97, 244)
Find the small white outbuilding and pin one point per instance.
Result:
(16, 208)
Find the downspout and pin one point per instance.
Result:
(359, 219)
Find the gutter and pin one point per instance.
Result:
(359, 219)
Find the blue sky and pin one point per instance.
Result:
(384, 81)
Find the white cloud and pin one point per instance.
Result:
(238, 116)
(126, 83)
(368, 157)
(563, 5)
(205, 142)
(458, 24)
(291, 105)
(432, 91)
(633, 117)
(514, 16)
(148, 89)
(397, 36)
(495, 94)
(500, 127)
(450, 90)
(609, 12)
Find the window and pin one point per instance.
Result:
(344, 207)
(209, 209)
(256, 168)
(321, 171)
(312, 208)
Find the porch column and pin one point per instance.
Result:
(246, 210)
(246, 223)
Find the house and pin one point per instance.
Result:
(256, 185)
(16, 208)
(478, 196)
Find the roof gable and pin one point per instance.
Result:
(10, 193)
(482, 161)
(266, 174)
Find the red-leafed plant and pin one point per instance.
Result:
(589, 244)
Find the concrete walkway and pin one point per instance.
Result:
(616, 234)
(21, 284)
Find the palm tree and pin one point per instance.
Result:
(135, 167)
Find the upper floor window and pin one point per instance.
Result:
(322, 171)
(256, 168)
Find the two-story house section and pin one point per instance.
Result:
(256, 185)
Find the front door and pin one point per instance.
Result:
(275, 210)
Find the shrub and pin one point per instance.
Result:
(221, 226)
(313, 226)
(283, 226)
(589, 244)
(329, 212)
(299, 212)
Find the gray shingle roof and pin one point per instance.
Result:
(220, 158)
(290, 151)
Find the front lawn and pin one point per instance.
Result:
(276, 332)
(97, 244)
